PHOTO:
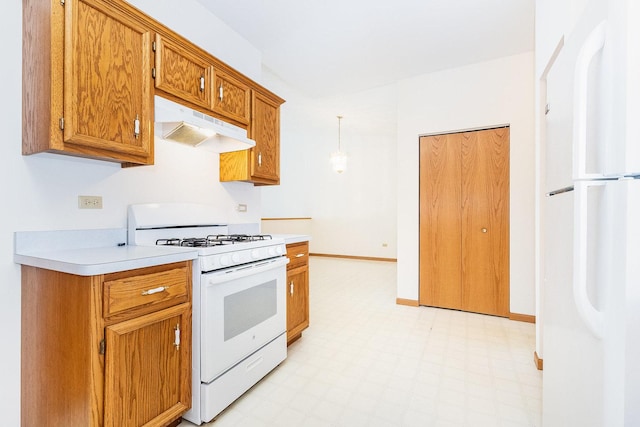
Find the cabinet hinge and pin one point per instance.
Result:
(61, 123)
(153, 72)
(101, 348)
(61, 2)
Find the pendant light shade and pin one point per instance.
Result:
(339, 158)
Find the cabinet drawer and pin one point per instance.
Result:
(298, 254)
(156, 289)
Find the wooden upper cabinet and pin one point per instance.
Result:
(232, 98)
(87, 88)
(182, 73)
(265, 129)
(260, 164)
(91, 69)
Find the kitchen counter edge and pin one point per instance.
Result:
(109, 255)
(292, 238)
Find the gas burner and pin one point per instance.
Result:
(212, 240)
(238, 238)
(191, 242)
(168, 242)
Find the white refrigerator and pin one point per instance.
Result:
(591, 223)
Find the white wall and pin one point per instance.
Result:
(479, 95)
(40, 192)
(353, 213)
(554, 19)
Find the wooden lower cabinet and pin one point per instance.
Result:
(130, 368)
(298, 290)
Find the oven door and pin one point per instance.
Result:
(243, 309)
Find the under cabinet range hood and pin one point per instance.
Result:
(175, 122)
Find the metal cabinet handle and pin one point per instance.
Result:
(221, 92)
(176, 338)
(300, 255)
(291, 287)
(136, 127)
(201, 83)
(155, 290)
(259, 159)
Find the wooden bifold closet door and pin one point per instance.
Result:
(464, 221)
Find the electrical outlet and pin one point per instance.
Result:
(242, 207)
(89, 202)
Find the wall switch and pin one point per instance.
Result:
(242, 207)
(89, 202)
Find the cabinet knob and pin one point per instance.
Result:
(484, 230)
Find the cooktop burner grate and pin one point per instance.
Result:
(212, 240)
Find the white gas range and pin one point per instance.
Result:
(239, 299)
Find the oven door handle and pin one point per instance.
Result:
(217, 277)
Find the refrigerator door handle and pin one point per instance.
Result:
(592, 45)
(591, 317)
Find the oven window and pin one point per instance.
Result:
(246, 309)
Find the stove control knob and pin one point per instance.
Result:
(224, 260)
(235, 258)
(255, 254)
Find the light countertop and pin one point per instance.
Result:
(91, 252)
(292, 238)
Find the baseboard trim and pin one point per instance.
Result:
(363, 258)
(409, 302)
(537, 361)
(522, 317)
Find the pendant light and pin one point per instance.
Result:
(339, 158)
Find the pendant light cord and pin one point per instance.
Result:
(339, 119)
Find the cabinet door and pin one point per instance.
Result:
(148, 368)
(231, 98)
(265, 130)
(297, 302)
(107, 83)
(182, 73)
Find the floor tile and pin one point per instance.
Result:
(366, 361)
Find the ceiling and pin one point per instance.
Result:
(332, 47)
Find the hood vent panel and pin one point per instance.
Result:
(175, 122)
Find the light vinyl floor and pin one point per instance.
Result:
(366, 361)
